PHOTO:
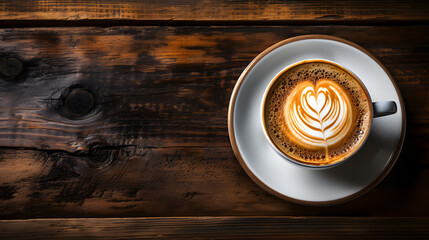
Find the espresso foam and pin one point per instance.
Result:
(317, 113)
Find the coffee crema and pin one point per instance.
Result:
(317, 113)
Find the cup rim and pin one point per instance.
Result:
(284, 155)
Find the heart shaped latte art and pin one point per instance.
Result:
(318, 116)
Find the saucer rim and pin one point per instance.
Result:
(240, 159)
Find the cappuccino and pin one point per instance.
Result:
(317, 113)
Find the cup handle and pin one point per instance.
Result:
(384, 108)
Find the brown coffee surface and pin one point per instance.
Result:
(317, 113)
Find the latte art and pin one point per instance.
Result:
(318, 115)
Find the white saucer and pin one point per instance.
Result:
(276, 175)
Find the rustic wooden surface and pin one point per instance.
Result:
(157, 145)
(214, 10)
(217, 228)
(156, 142)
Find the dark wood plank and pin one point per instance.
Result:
(213, 10)
(217, 228)
(158, 144)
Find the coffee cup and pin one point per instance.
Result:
(317, 113)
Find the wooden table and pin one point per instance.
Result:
(113, 119)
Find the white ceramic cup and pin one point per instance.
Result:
(378, 109)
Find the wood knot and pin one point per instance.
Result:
(96, 151)
(77, 103)
(11, 68)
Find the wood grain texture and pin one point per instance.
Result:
(157, 145)
(218, 228)
(213, 10)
